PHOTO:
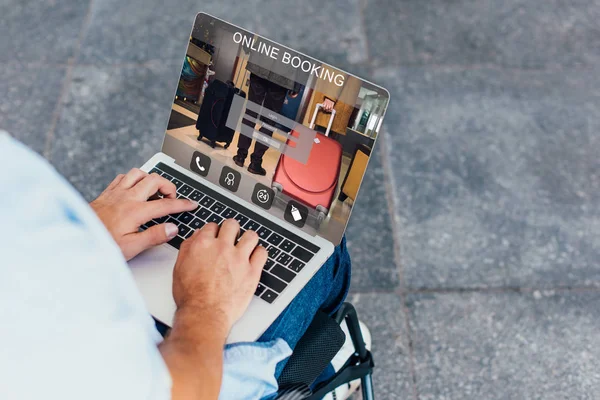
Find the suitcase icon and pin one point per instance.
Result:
(314, 183)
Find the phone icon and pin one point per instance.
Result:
(200, 163)
(200, 166)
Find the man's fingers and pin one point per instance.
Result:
(135, 243)
(163, 207)
(258, 260)
(248, 242)
(115, 181)
(209, 230)
(229, 231)
(131, 178)
(153, 183)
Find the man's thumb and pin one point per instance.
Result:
(153, 236)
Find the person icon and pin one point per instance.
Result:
(230, 179)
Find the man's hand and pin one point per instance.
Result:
(124, 206)
(328, 105)
(214, 274)
(213, 282)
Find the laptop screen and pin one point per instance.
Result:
(276, 128)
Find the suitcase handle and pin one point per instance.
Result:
(314, 117)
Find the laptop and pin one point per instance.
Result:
(273, 138)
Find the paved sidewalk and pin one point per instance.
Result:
(476, 240)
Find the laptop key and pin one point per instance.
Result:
(183, 230)
(287, 245)
(214, 218)
(228, 213)
(302, 254)
(185, 190)
(284, 259)
(186, 217)
(177, 183)
(259, 289)
(296, 266)
(150, 224)
(195, 196)
(263, 232)
(263, 243)
(196, 224)
(203, 213)
(269, 264)
(173, 221)
(242, 219)
(161, 220)
(283, 273)
(190, 233)
(176, 242)
(252, 226)
(269, 296)
(273, 251)
(275, 239)
(217, 207)
(155, 171)
(206, 201)
(272, 282)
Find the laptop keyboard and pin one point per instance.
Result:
(288, 253)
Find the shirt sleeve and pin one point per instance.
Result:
(73, 323)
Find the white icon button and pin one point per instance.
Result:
(230, 179)
(262, 196)
(296, 214)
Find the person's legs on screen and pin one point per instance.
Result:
(274, 102)
(256, 94)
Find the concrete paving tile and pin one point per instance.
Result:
(497, 177)
(142, 30)
(383, 314)
(30, 96)
(114, 119)
(43, 31)
(369, 233)
(540, 345)
(517, 33)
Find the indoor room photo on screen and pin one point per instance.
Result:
(277, 128)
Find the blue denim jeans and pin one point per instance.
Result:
(326, 291)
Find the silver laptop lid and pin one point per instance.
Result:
(277, 128)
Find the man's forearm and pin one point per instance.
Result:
(193, 352)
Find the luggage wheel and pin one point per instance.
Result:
(213, 144)
(227, 144)
(199, 136)
(277, 188)
(321, 217)
(322, 213)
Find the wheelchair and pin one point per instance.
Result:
(315, 350)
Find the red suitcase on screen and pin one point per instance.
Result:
(314, 183)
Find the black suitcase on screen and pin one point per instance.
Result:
(214, 111)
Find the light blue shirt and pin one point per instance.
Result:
(72, 322)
